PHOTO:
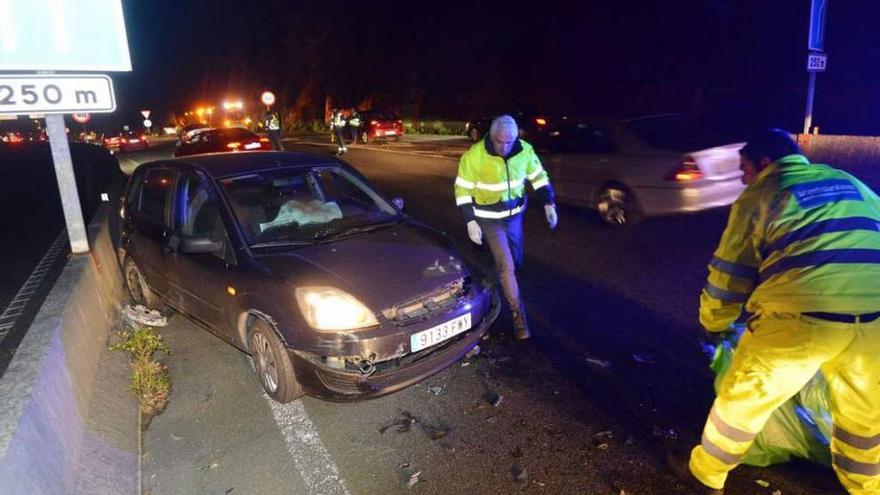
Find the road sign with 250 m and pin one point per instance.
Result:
(54, 94)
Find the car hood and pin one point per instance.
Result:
(380, 268)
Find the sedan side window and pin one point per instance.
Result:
(196, 213)
(155, 194)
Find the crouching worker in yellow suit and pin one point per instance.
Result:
(802, 251)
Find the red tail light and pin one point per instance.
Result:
(541, 121)
(264, 140)
(234, 145)
(686, 171)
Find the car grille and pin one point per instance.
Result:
(427, 305)
(339, 383)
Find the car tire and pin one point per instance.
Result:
(365, 138)
(474, 134)
(138, 288)
(272, 363)
(616, 205)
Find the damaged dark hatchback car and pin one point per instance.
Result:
(295, 259)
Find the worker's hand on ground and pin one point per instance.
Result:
(552, 217)
(475, 232)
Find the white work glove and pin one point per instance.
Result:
(550, 213)
(475, 232)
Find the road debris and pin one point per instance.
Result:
(645, 357)
(465, 364)
(413, 479)
(403, 423)
(602, 363)
(519, 473)
(473, 352)
(763, 483)
(435, 390)
(494, 399)
(144, 316)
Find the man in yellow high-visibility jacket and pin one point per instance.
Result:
(802, 251)
(490, 194)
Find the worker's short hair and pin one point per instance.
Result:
(770, 143)
(505, 122)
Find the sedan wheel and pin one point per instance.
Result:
(272, 363)
(138, 288)
(616, 206)
(365, 138)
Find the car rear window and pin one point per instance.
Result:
(673, 133)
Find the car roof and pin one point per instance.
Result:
(219, 165)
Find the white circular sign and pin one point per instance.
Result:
(148, 123)
(268, 98)
(82, 118)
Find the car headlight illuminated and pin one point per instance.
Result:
(328, 308)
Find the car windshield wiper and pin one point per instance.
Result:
(270, 244)
(360, 229)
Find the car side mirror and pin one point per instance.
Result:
(199, 244)
(398, 202)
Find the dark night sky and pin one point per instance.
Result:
(463, 58)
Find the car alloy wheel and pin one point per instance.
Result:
(137, 287)
(272, 363)
(264, 361)
(615, 206)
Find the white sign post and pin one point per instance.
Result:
(61, 35)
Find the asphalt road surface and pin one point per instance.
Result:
(613, 377)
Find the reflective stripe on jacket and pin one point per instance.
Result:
(488, 186)
(337, 120)
(802, 237)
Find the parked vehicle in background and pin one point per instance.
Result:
(656, 165)
(126, 141)
(189, 130)
(544, 132)
(380, 126)
(295, 259)
(221, 141)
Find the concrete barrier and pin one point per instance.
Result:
(858, 155)
(67, 422)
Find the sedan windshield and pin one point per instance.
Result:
(295, 205)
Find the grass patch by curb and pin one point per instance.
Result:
(150, 380)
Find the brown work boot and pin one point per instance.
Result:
(520, 325)
(677, 462)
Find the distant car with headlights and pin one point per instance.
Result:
(220, 141)
(126, 141)
(648, 166)
(296, 260)
(536, 128)
(380, 126)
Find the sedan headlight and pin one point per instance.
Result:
(328, 308)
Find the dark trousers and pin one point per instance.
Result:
(340, 141)
(505, 240)
(275, 138)
(354, 129)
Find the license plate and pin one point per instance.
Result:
(390, 133)
(252, 146)
(133, 141)
(444, 331)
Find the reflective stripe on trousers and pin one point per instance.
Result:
(773, 361)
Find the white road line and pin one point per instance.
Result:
(13, 310)
(311, 458)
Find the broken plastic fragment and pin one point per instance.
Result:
(473, 352)
(413, 479)
(144, 316)
(645, 357)
(519, 473)
(435, 390)
(494, 399)
(598, 362)
(763, 483)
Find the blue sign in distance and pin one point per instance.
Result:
(63, 35)
(818, 12)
